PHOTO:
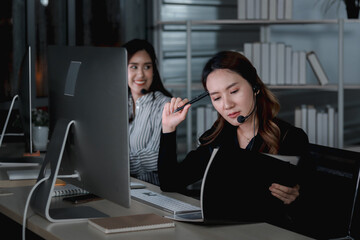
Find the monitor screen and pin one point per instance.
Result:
(88, 106)
(23, 99)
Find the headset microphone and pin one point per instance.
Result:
(242, 119)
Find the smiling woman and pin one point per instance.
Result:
(147, 97)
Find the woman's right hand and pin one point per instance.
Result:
(171, 120)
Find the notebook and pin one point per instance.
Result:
(131, 223)
(236, 189)
(68, 190)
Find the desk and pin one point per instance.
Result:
(13, 205)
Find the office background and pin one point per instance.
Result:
(112, 22)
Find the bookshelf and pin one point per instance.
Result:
(264, 24)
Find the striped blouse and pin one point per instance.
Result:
(144, 135)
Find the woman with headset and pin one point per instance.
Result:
(147, 97)
(247, 119)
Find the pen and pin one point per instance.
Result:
(201, 96)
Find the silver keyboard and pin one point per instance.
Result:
(162, 202)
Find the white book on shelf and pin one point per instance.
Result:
(264, 8)
(257, 8)
(288, 9)
(200, 121)
(272, 9)
(324, 131)
(331, 125)
(295, 68)
(208, 117)
(336, 130)
(288, 65)
(304, 118)
(302, 67)
(241, 9)
(319, 128)
(297, 117)
(317, 68)
(311, 123)
(250, 9)
(273, 51)
(248, 51)
(265, 63)
(280, 64)
(257, 57)
(214, 115)
(280, 9)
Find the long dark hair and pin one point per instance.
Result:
(267, 105)
(135, 45)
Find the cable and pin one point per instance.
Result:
(75, 175)
(27, 205)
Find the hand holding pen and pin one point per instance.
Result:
(170, 120)
(201, 96)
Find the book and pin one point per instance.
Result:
(250, 9)
(304, 118)
(294, 160)
(256, 54)
(280, 9)
(246, 171)
(131, 223)
(288, 9)
(248, 51)
(295, 68)
(325, 129)
(317, 68)
(67, 190)
(331, 125)
(319, 128)
(311, 123)
(209, 121)
(297, 117)
(200, 121)
(265, 62)
(273, 61)
(280, 64)
(241, 9)
(288, 65)
(272, 9)
(264, 9)
(302, 67)
(257, 8)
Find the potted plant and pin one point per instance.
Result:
(352, 7)
(40, 129)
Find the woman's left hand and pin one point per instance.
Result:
(285, 194)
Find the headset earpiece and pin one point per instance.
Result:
(256, 89)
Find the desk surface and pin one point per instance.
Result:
(13, 206)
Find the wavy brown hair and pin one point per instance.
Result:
(267, 105)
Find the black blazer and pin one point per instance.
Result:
(176, 176)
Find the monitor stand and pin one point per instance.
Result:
(29, 155)
(7, 118)
(349, 237)
(41, 199)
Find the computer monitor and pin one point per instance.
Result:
(88, 106)
(332, 194)
(24, 96)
